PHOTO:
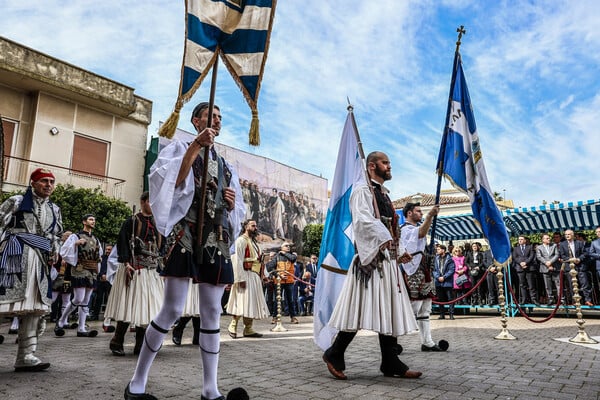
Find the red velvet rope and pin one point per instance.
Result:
(464, 295)
(558, 295)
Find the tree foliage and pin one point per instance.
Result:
(75, 202)
(311, 239)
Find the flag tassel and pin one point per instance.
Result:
(254, 135)
(170, 125)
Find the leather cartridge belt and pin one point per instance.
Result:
(90, 265)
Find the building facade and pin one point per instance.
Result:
(89, 130)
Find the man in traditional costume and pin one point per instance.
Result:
(247, 299)
(137, 292)
(417, 272)
(31, 226)
(82, 250)
(374, 296)
(175, 193)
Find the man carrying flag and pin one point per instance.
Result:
(374, 296)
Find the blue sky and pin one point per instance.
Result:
(532, 68)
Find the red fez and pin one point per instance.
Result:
(41, 173)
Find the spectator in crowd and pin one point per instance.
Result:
(474, 262)
(443, 274)
(491, 278)
(306, 293)
(284, 268)
(594, 253)
(547, 256)
(574, 250)
(523, 257)
(461, 280)
(311, 266)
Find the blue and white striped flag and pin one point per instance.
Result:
(239, 31)
(337, 248)
(462, 158)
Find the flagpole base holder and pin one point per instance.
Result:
(582, 337)
(278, 328)
(505, 335)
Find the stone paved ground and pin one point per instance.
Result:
(288, 365)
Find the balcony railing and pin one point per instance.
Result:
(17, 172)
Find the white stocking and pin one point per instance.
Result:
(422, 310)
(210, 315)
(173, 303)
(83, 309)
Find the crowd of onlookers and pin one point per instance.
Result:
(534, 271)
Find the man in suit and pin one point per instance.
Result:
(443, 273)
(491, 278)
(312, 266)
(547, 255)
(594, 252)
(574, 249)
(523, 257)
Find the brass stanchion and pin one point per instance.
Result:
(582, 336)
(279, 327)
(504, 333)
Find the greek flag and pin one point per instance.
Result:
(461, 161)
(238, 31)
(337, 248)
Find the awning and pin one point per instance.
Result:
(581, 215)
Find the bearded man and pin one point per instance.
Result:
(247, 299)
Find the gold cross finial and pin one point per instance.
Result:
(461, 31)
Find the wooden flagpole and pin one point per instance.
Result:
(201, 206)
(361, 152)
(440, 167)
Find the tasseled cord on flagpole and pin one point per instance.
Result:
(168, 128)
(254, 135)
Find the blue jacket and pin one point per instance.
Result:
(447, 270)
(594, 252)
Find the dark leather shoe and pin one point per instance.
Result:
(13, 331)
(33, 368)
(435, 347)
(116, 349)
(135, 396)
(108, 328)
(337, 374)
(59, 331)
(411, 375)
(253, 334)
(92, 333)
(177, 334)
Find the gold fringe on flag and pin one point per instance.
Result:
(254, 133)
(168, 128)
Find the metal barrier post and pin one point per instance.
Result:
(504, 334)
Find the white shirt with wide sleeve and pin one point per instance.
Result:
(170, 203)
